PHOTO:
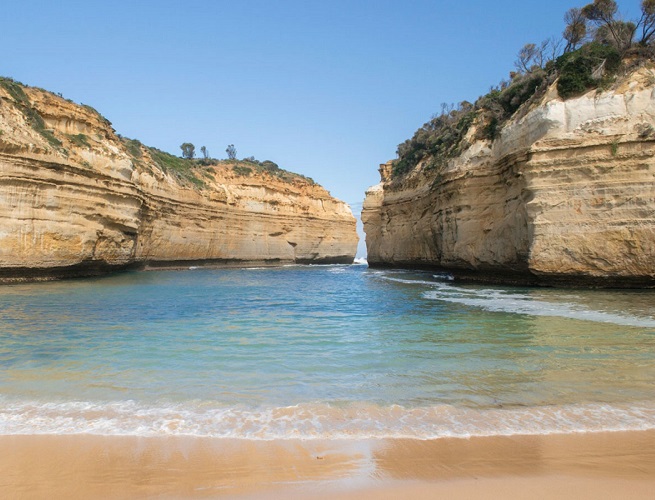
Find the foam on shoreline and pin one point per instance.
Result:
(316, 421)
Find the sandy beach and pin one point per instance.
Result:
(592, 465)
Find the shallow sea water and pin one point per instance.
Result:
(321, 352)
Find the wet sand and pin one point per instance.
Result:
(599, 465)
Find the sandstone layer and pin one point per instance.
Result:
(77, 199)
(565, 195)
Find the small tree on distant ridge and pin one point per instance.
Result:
(188, 150)
(205, 153)
(231, 152)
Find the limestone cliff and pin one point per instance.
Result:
(76, 199)
(564, 194)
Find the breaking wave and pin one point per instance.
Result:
(315, 420)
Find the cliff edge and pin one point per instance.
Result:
(77, 199)
(563, 194)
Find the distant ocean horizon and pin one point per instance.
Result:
(321, 352)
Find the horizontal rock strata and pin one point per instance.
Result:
(565, 195)
(74, 201)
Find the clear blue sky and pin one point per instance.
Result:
(324, 88)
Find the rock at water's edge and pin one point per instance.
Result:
(75, 201)
(565, 195)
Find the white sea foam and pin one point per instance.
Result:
(409, 281)
(315, 421)
(500, 300)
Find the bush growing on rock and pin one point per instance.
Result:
(582, 67)
(576, 69)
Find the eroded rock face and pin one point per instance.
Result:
(565, 195)
(75, 201)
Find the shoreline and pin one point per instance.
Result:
(589, 465)
(22, 275)
(500, 277)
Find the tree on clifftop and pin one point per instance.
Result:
(576, 29)
(231, 152)
(601, 12)
(647, 21)
(610, 30)
(188, 150)
(526, 57)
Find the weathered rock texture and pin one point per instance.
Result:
(566, 194)
(88, 204)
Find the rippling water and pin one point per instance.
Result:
(315, 352)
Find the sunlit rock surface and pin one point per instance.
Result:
(565, 195)
(75, 201)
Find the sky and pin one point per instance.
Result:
(327, 89)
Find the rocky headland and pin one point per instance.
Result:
(77, 199)
(562, 193)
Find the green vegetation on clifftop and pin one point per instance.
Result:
(598, 45)
(187, 170)
(22, 102)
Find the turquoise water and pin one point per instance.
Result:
(325, 351)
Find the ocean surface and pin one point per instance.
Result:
(321, 352)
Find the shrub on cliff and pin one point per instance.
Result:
(182, 168)
(504, 101)
(610, 41)
(270, 165)
(241, 170)
(80, 140)
(439, 138)
(520, 90)
(576, 69)
(443, 136)
(133, 147)
(32, 116)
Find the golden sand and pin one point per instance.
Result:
(598, 466)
